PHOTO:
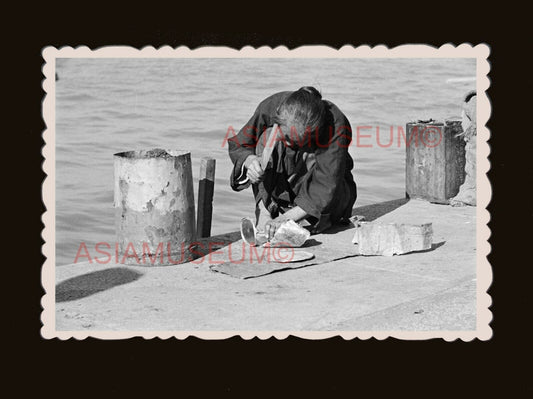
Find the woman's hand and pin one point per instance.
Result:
(272, 226)
(254, 170)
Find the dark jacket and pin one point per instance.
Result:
(331, 174)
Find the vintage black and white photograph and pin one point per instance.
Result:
(266, 192)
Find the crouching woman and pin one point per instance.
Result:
(307, 173)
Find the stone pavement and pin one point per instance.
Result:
(433, 290)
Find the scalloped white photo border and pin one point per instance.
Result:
(484, 271)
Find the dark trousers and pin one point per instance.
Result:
(284, 175)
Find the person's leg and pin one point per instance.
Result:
(340, 210)
(262, 216)
(266, 206)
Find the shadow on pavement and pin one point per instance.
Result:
(370, 212)
(434, 246)
(311, 242)
(91, 283)
(208, 245)
(374, 211)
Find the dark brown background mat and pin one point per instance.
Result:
(292, 365)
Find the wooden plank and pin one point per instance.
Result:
(392, 239)
(206, 190)
(269, 146)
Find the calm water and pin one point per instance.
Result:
(104, 106)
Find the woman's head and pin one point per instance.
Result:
(302, 110)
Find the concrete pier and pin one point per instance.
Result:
(424, 291)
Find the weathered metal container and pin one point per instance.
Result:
(389, 239)
(154, 206)
(435, 160)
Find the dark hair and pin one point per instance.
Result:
(303, 107)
